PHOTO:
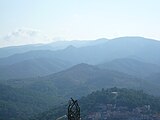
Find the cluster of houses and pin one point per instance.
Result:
(113, 112)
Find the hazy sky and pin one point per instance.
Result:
(81, 19)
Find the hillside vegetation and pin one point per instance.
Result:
(96, 101)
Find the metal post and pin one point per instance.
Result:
(73, 110)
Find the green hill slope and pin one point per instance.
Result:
(126, 100)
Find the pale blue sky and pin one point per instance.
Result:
(82, 19)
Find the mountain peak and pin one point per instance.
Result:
(70, 47)
(82, 66)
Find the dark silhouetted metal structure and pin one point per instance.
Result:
(73, 110)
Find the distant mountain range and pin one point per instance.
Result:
(51, 74)
(128, 47)
(35, 67)
(131, 67)
(135, 53)
(7, 51)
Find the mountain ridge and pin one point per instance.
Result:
(140, 49)
(131, 66)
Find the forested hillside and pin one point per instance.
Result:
(113, 100)
(34, 79)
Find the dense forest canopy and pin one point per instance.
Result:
(119, 96)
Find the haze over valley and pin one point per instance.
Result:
(103, 54)
(75, 69)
